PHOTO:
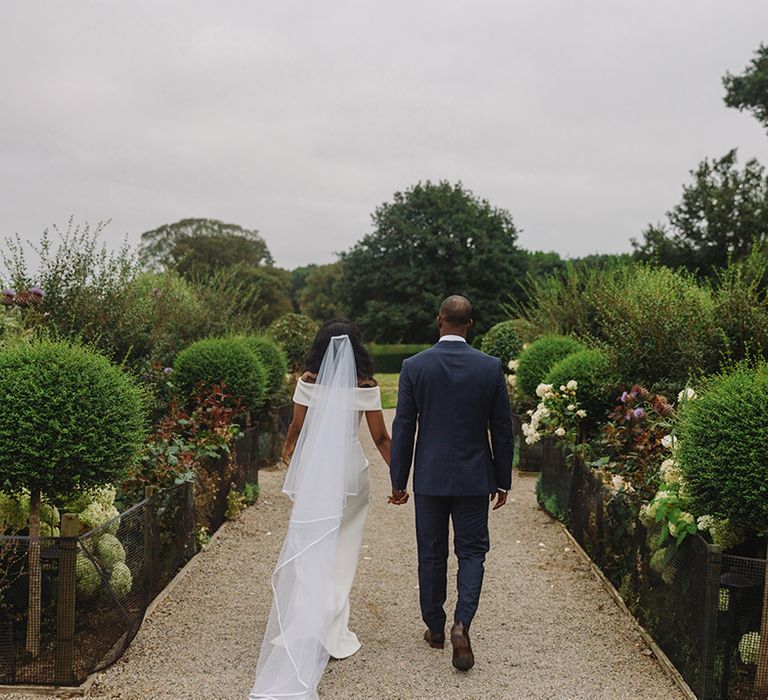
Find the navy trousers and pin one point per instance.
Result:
(471, 543)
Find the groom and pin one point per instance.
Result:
(455, 395)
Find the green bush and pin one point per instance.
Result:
(273, 359)
(388, 359)
(295, 333)
(223, 361)
(595, 377)
(723, 448)
(70, 418)
(659, 326)
(538, 359)
(503, 341)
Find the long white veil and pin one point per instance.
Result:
(322, 473)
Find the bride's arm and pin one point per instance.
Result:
(379, 433)
(294, 430)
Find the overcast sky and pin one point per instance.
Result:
(580, 117)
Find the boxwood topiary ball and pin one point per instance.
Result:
(540, 357)
(227, 361)
(502, 341)
(273, 359)
(723, 447)
(70, 419)
(595, 377)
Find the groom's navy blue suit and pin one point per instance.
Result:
(455, 395)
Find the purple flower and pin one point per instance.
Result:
(167, 370)
(37, 292)
(624, 397)
(639, 413)
(9, 293)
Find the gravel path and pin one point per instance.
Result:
(545, 628)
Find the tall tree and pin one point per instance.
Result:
(321, 296)
(749, 90)
(158, 244)
(723, 214)
(430, 241)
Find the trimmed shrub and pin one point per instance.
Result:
(503, 341)
(539, 358)
(70, 418)
(388, 359)
(223, 361)
(723, 448)
(295, 333)
(595, 377)
(274, 361)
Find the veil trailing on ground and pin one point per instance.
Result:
(323, 472)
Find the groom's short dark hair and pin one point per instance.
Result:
(456, 310)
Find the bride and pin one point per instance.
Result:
(328, 482)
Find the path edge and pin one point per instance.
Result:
(666, 665)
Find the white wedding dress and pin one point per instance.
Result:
(329, 483)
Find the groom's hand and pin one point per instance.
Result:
(398, 497)
(501, 499)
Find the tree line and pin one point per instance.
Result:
(436, 238)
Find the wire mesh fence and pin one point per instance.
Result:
(703, 607)
(71, 605)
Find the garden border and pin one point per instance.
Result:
(667, 666)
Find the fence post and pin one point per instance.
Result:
(150, 558)
(708, 617)
(65, 605)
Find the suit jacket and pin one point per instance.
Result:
(455, 395)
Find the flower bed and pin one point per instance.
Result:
(701, 606)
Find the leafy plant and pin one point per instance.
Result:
(503, 341)
(539, 357)
(226, 362)
(295, 334)
(274, 361)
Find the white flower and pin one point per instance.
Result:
(544, 412)
(618, 483)
(672, 529)
(562, 387)
(560, 432)
(669, 441)
(686, 394)
(525, 346)
(705, 522)
(543, 390)
(513, 364)
(530, 411)
(688, 518)
(581, 413)
(571, 407)
(512, 380)
(670, 472)
(572, 385)
(661, 495)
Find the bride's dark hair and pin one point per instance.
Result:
(339, 326)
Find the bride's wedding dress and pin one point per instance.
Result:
(329, 483)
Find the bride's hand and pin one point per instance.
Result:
(398, 498)
(286, 455)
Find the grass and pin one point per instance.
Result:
(388, 384)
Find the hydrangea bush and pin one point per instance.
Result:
(558, 414)
(539, 357)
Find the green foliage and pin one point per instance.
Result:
(431, 241)
(749, 91)
(85, 285)
(87, 576)
(388, 359)
(206, 242)
(70, 418)
(596, 379)
(274, 361)
(295, 334)
(722, 215)
(538, 359)
(503, 341)
(741, 307)
(235, 503)
(723, 449)
(321, 296)
(121, 580)
(658, 325)
(111, 551)
(227, 362)
(251, 493)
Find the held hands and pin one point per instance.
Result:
(500, 497)
(398, 498)
(287, 454)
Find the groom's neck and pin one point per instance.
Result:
(446, 330)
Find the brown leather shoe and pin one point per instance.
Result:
(436, 641)
(463, 658)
